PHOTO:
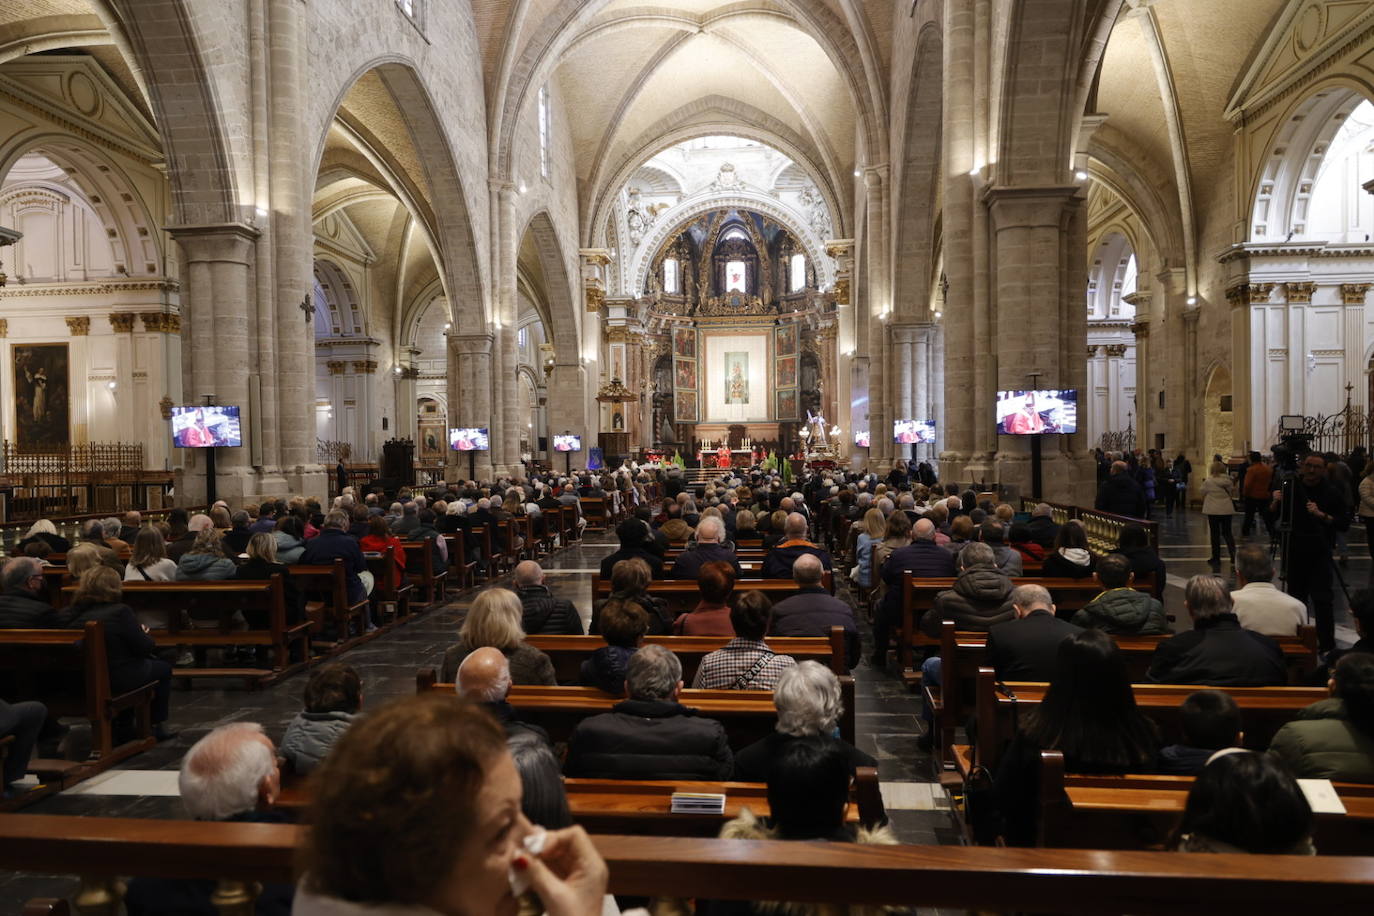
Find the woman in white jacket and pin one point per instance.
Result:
(1218, 504)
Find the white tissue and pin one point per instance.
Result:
(534, 845)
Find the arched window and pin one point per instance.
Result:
(522, 338)
(670, 276)
(1339, 210)
(798, 272)
(544, 131)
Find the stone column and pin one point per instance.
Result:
(1144, 370)
(470, 402)
(1041, 334)
(505, 438)
(878, 311)
(1172, 292)
(961, 174)
(78, 354)
(156, 380)
(131, 408)
(217, 298)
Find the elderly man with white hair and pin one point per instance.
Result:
(778, 563)
(808, 702)
(229, 775)
(484, 676)
(709, 549)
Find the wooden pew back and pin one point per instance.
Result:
(682, 595)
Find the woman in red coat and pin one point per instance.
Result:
(378, 539)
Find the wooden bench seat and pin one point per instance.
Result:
(420, 567)
(747, 715)
(234, 855)
(69, 672)
(682, 595)
(1140, 811)
(596, 511)
(645, 806)
(326, 601)
(385, 591)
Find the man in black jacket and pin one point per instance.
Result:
(777, 564)
(925, 559)
(543, 613)
(1121, 494)
(1315, 509)
(1042, 527)
(1027, 648)
(484, 676)
(21, 604)
(635, 543)
(1217, 652)
(813, 610)
(650, 735)
(708, 549)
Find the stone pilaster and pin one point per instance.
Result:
(878, 312)
(471, 404)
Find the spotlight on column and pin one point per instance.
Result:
(112, 385)
(522, 187)
(858, 172)
(1081, 175)
(396, 369)
(938, 315)
(1192, 300)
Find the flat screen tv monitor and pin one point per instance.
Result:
(913, 432)
(206, 427)
(861, 439)
(567, 443)
(1034, 413)
(469, 439)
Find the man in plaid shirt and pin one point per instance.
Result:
(746, 662)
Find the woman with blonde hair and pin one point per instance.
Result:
(871, 531)
(1218, 504)
(149, 562)
(495, 620)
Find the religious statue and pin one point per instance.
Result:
(736, 383)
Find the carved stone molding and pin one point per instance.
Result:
(90, 289)
(4, 327)
(122, 322)
(160, 322)
(599, 257)
(336, 366)
(595, 297)
(1141, 329)
(408, 372)
(365, 366)
(1092, 350)
(1117, 350)
(165, 405)
(1300, 292)
(79, 325)
(1353, 293)
(618, 334)
(1244, 294)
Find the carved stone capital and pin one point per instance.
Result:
(1092, 350)
(1117, 350)
(336, 366)
(165, 405)
(4, 327)
(160, 322)
(1243, 294)
(122, 322)
(599, 257)
(1353, 293)
(1141, 329)
(79, 325)
(365, 366)
(1300, 292)
(595, 297)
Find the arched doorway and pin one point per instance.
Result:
(1217, 426)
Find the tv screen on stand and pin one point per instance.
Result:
(913, 432)
(469, 439)
(861, 440)
(567, 443)
(1037, 412)
(206, 427)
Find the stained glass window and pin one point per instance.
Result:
(544, 131)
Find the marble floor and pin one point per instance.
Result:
(888, 715)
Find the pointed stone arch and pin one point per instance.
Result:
(565, 325)
(914, 252)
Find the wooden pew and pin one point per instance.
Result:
(1263, 710)
(596, 512)
(747, 715)
(220, 599)
(420, 567)
(459, 563)
(326, 598)
(506, 542)
(644, 807)
(1141, 811)
(918, 596)
(568, 652)
(103, 850)
(964, 654)
(69, 672)
(382, 565)
(570, 526)
(682, 595)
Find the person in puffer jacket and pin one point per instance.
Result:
(981, 595)
(1120, 608)
(333, 699)
(1334, 738)
(623, 625)
(541, 612)
(808, 791)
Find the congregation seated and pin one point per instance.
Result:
(1019, 539)
(1217, 652)
(747, 533)
(205, 560)
(148, 561)
(1026, 648)
(229, 775)
(109, 533)
(494, 620)
(261, 566)
(630, 582)
(896, 535)
(1042, 526)
(1334, 738)
(745, 662)
(130, 650)
(377, 540)
(874, 524)
(45, 531)
(1210, 720)
(542, 612)
(183, 532)
(650, 735)
(1134, 543)
(708, 549)
(775, 532)
(425, 531)
(636, 542)
(925, 559)
(484, 678)
(980, 597)
(1244, 802)
(1258, 604)
(813, 610)
(1089, 714)
(711, 616)
(808, 701)
(21, 722)
(333, 542)
(1119, 608)
(623, 626)
(1070, 558)
(778, 562)
(22, 604)
(333, 701)
(236, 538)
(993, 533)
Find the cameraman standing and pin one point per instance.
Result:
(1313, 509)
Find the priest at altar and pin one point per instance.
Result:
(724, 458)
